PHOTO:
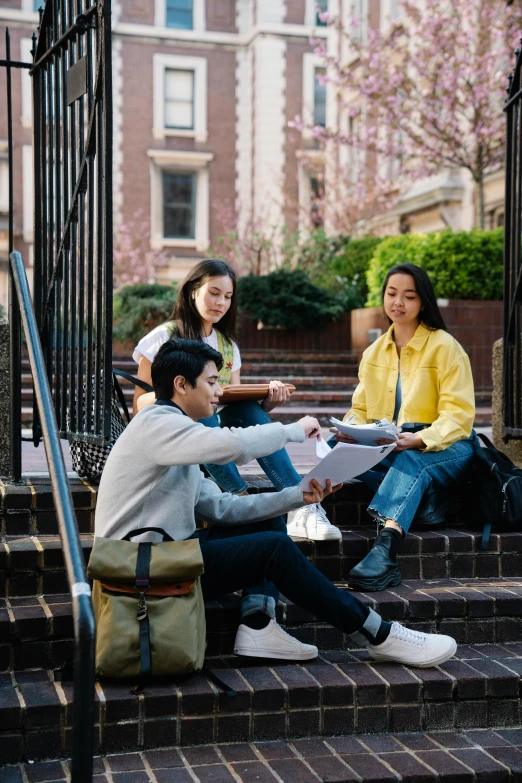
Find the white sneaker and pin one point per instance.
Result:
(414, 648)
(272, 642)
(312, 522)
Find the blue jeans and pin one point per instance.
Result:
(262, 557)
(277, 466)
(401, 480)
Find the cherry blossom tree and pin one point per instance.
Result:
(133, 259)
(427, 93)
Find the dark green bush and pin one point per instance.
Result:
(286, 299)
(139, 308)
(339, 265)
(461, 264)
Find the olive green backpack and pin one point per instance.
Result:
(148, 605)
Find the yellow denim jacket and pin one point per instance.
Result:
(437, 386)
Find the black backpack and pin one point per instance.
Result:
(497, 489)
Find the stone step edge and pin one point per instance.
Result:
(337, 694)
(473, 755)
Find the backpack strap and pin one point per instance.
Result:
(142, 585)
(121, 398)
(141, 530)
(485, 440)
(132, 378)
(486, 533)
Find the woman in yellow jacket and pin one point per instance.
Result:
(419, 376)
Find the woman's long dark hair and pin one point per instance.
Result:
(186, 316)
(430, 314)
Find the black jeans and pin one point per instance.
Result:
(246, 556)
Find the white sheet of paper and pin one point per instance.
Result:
(322, 449)
(344, 462)
(367, 434)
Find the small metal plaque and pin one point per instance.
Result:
(77, 81)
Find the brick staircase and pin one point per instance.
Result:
(325, 384)
(337, 718)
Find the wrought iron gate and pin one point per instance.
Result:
(72, 99)
(512, 377)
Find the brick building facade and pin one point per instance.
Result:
(203, 92)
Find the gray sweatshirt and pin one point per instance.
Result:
(152, 476)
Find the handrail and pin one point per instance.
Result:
(83, 616)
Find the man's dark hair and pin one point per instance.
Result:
(181, 357)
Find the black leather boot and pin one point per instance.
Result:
(380, 568)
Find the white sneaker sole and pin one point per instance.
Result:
(249, 653)
(442, 658)
(328, 535)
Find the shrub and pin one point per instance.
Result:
(139, 308)
(350, 267)
(287, 299)
(460, 264)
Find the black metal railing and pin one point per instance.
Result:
(72, 98)
(84, 631)
(512, 368)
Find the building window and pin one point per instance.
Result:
(180, 96)
(180, 14)
(319, 97)
(180, 198)
(316, 202)
(179, 205)
(323, 6)
(179, 99)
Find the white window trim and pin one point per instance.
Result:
(160, 15)
(310, 12)
(28, 192)
(173, 160)
(4, 180)
(162, 62)
(310, 63)
(27, 6)
(27, 97)
(385, 20)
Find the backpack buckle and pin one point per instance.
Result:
(141, 614)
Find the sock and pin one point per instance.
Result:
(383, 632)
(257, 621)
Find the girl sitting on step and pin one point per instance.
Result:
(208, 297)
(420, 377)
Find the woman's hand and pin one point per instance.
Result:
(317, 493)
(409, 440)
(340, 437)
(278, 394)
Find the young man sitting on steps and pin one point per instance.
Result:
(152, 478)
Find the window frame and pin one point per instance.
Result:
(311, 61)
(175, 161)
(173, 100)
(163, 63)
(198, 16)
(179, 172)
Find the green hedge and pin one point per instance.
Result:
(286, 299)
(461, 264)
(139, 308)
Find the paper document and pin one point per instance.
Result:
(321, 448)
(344, 462)
(367, 434)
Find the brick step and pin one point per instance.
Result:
(466, 756)
(298, 369)
(36, 631)
(300, 357)
(31, 566)
(337, 693)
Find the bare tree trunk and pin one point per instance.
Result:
(482, 213)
